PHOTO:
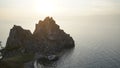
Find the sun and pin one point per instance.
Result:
(45, 7)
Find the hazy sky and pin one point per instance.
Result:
(28, 12)
(31, 8)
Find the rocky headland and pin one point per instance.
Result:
(46, 42)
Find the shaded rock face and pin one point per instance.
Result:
(18, 37)
(47, 39)
(17, 41)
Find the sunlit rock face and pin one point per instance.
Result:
(47, 39)
(46, 28)
(53, 37)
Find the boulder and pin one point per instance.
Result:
(52, 57)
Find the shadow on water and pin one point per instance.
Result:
(53, 64)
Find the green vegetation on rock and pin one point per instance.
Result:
(16, 61)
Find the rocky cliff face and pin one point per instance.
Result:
(47, 39)
(18, 37)
(52, 36)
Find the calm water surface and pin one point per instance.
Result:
(97, 42)
(97, 46)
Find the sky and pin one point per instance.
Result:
(27, 13)
(33, 8)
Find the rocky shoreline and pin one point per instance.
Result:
(45, 44)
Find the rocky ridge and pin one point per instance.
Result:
(47, 39)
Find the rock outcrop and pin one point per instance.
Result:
(17, 42)
(47, 39)
(52, 37)
(18, 37)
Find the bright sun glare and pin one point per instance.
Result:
(45, 7)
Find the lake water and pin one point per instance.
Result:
(97, 42)
(97, 45)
